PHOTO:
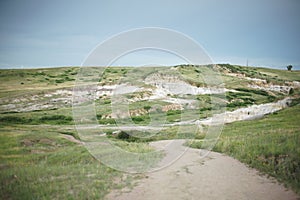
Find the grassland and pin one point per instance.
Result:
(279, 74)
(38, 161)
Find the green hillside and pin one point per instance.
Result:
(42, 157)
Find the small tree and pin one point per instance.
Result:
(289, 67)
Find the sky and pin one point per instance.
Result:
(41, 33)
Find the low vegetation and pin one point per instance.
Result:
(37, 162)
(34, 119)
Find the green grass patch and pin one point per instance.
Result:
(48, 119)
(37, 163)
(259, 92)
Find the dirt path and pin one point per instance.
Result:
(214, 177)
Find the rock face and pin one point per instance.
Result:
(174, 85)
(251, 112)
(285, 89)
(40, 101)
(171, 107)
(159, 79)
(140, 112)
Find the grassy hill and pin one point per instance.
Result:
(41, 156)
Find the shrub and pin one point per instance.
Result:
(15, 120)
(59, 80)
(99, 116)
(147, 108)
(51, 119)
(133, 136)
(173, 112)
(137, 119)
(107, 101)
(56, 119)
(123, 135)
(69, 79)
(205, 109)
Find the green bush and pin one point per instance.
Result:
(107, 101)
(173, 112)
(69, 79)
(138, 119)
(59, 80)
(99, 116)
(147, 108)
(205, 109)
(50, 119)
(15, 120)
(133, 136)
(56, 119)
(123, 135)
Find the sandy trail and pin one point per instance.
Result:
(214, 177)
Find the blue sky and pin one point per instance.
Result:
(39, 33)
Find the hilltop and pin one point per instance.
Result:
(36, 89)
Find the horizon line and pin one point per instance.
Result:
(296, 68)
